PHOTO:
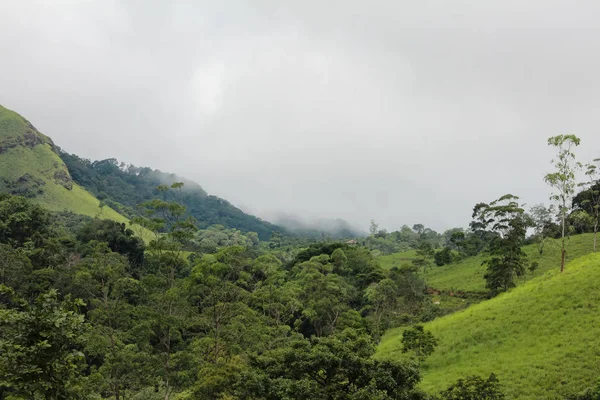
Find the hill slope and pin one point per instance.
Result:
(541, 338)
(467, 274)
(124, 187)
(30, 166)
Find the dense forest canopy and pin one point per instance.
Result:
(123, 187)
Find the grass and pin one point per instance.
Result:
(42, 163)
(397, 259)
(467, 275)
(541, 338)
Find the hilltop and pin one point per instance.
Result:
(31, 167)
(540, 338)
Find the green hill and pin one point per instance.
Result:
(125, 186)
(30, 166)
(540, 338)
(467, 274)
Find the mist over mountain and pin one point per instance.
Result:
(336, 228)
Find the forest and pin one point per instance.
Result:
(224, 308)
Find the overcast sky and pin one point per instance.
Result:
(400, 111)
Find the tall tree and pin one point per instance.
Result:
(591, 196)
(172, 232)
(425, 254)
(505, 218)
(563, 181)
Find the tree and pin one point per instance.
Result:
(563, 181)
(40, 345)
(506, 220)
(102, 277)
(418, 228)
(167, 308)
(591, 202)
(474, 388)
(20, 220)
(443, 257)
(336, 367)
(425, 254)
(382, 297)
(374, 227)
(541, 219)
(418, 340)
(119, 239)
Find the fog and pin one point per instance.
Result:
(397, 111)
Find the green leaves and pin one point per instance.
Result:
(419, 341)
(40, 345)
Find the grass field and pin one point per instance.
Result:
(467, 275)
(397, 259)
(540, 338)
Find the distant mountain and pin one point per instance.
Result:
(123, 187)
(334, 228)
(30, 166)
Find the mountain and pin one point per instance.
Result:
(335, 228)
(123, 187)
(540, 339)
(30, 166)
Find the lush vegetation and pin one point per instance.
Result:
(540, 339)
(123, 187)
(31, 167)
(195, 299)
(88, 310)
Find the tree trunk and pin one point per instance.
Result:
(596, 231)
(563, 250)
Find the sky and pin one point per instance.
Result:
(399, 111)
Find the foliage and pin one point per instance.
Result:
(563, 181)
(541, 218)
(419, 341)
(507, 331)
(402, 240)
(589, 199)
(443, 257)
(40, 345)
(334, 367)
(474, 388)
(504, 218)
(119, 238)
(126, 186)
(591, 393)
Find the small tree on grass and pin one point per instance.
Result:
(425, 254)
(563, 182)
(418, 340)
(474, 388)
(541, 218)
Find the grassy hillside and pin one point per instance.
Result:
(541, 338)
(396, 259)
(30, 166)
(467, 274)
